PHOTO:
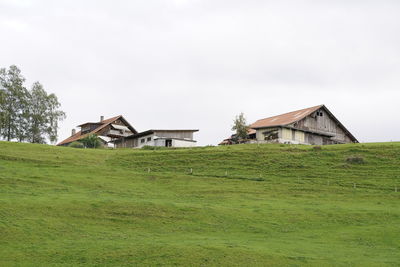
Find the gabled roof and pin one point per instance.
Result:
(285, 119)
(102, 125)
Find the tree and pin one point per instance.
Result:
(13, 101)
(44, 115)
(91, 141)
(27, 115)
(240, 126)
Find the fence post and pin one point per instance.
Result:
(395, 189)
(191, 171)
(148, 170)
(354, 186)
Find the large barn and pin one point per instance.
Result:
(312, 126)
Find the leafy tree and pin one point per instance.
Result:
(240, 127)
(43, 115)
(54, 116)
(13, 104)
(91, 141)
(27, 115)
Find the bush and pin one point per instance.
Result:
(76, 144)
(355, 160)
(91, 141)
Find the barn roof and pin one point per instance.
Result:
(285, 119)
(102, 125)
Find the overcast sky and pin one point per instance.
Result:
(197, 63)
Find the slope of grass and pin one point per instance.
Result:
(242, 205)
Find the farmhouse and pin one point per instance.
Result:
(312, 126)
(164, 138)
(107, 130)
(119, 133)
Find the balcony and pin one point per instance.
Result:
(117, 133)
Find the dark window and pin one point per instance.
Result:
(148, 139)
(168, 143)
(142, 140)
(270, 135)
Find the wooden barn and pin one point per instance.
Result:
(107, 130)
(312, 126)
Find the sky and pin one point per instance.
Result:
(196, 64)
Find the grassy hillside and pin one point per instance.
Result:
(243, 205)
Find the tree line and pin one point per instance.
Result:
(27, 115)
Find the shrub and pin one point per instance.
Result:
(355, 160)
(91, 141)
(76, 144)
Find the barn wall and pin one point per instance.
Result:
(139, 143)
(182, 143)
(125, 143)
(313, 139)
(175, 134)
(324, 124)
(285, 135)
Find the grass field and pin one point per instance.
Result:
(244, 205)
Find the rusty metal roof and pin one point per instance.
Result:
(285, 119)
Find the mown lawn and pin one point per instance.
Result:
(244, 205)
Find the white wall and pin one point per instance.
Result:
(183, 143)
(146, 143)
(156, 141)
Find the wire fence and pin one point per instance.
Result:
(390, 184)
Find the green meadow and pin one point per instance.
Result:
(244, 205)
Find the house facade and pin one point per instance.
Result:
(107, 130)
(117, 132)
(160, 138)
(311, 126)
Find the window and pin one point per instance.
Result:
(319, 113)
(148, 139)
(271, 134)
(168, 143)
(142, 140)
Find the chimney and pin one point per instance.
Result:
(101, 118)
(73, 132)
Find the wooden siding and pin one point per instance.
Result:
(299, 136)
(323, 124)
(286, 134)
(175, 134)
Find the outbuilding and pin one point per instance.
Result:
(159, 138)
